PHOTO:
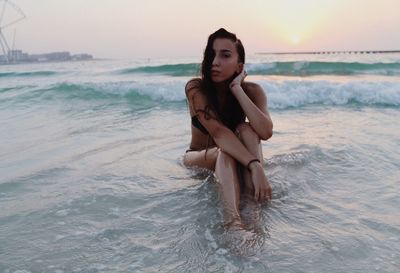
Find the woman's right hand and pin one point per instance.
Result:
(262, 188)
(238, 80)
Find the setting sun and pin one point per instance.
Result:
(295, 39)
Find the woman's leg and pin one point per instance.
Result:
(250, 208)
(251, 140)
(226, 171)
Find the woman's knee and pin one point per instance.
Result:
(245, 131)
(203, 159)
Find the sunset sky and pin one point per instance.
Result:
(179, 28)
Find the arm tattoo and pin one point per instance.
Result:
(207, 111)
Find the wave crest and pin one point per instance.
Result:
(27, 74)
(281, 94)
(293, 94)
(297, 68)
(189, 69)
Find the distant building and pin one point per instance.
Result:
(81, 57)
(50, 57)
(18, 56)
(15, 55)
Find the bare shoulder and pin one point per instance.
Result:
(254, 90)
(192, 84)
(195, 97)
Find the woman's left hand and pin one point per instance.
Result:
(238, 79)
(262, 188)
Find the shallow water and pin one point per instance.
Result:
(92, 180)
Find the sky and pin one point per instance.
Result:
(179, 28)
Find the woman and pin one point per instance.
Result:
(222, 141)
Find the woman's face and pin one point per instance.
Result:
(225, 62)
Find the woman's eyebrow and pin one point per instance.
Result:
(225, 50)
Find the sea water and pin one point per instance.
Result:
(91, 174)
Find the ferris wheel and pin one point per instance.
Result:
(10, 15)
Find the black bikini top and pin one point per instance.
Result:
(196, 123)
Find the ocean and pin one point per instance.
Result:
(91, 174)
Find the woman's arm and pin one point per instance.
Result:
(255, 108)
(225, 139)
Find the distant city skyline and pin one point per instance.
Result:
(179, 28)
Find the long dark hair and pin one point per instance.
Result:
(232, 115)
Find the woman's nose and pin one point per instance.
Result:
(215, 61)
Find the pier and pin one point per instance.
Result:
(332, 52)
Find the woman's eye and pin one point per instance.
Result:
(226, 55)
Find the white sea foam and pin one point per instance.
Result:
(281, 93)
(297, 93)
